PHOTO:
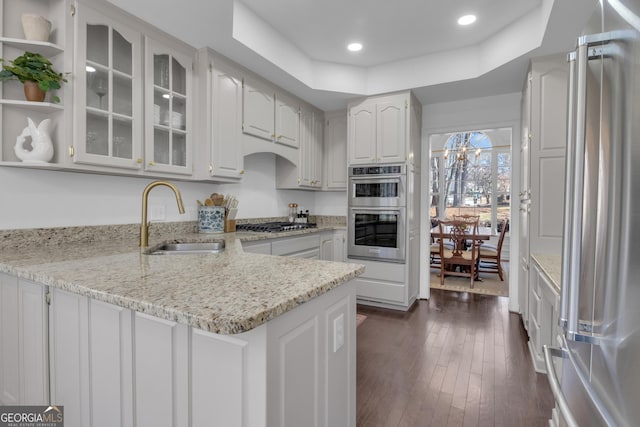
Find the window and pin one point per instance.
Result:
(471, 174)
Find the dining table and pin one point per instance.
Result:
(483, 233)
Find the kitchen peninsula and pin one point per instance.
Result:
(233, 339)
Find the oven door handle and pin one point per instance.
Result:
(382, 178)
(379, 211)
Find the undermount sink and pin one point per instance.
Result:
(187, 248)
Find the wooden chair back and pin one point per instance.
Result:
(464, 253)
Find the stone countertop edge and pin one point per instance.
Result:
(551, 265)
(227, 293)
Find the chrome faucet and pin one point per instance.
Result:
(144, 227)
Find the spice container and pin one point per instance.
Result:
(293, 207)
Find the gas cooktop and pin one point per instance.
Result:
(271, 227)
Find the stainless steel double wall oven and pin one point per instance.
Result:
(377, 212)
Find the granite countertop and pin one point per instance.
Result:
(226, 293)
(551, 265)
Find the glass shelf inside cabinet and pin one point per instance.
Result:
(43, 48)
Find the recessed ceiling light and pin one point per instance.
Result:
(466, 19)
(354, 47)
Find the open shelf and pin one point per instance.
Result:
(31, 105)
(43, 48)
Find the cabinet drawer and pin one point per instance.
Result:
(379, 291)
(295, 244)
(387, 271)
(257, 248)
(309, 254)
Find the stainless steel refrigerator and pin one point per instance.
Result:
(595, 370)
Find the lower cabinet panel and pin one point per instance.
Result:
(24, 367)
(112, 366)
(218, 382)
(161, 372)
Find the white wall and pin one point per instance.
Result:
(36, 198)
(474, 114)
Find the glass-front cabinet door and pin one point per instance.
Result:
(108, 92)
(168, 110)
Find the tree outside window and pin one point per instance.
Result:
(471, 174)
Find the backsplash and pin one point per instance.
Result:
(24, 238)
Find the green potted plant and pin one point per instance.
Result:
(35, 72)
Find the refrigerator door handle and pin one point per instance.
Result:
(561, 401)
(570, 160)
(572, 273)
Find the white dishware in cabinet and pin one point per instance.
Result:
(108, 92)
(168, 102)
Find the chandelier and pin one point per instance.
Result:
(461, 152)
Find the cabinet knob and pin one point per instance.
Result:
(152, 163)
(242, 172)
(71, 151)
(139, 160)
(210, 168)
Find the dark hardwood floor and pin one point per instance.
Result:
(457, 359)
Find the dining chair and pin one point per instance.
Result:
(434, 249)
(461, 256)
(490, 258)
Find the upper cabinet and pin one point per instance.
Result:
(108, 92)
(227, 159)
(219, 118)
(270, 115)
(545, 149)
(310, 162)
(307, 172)
(168, 146)
(335, 151)
(378, 130)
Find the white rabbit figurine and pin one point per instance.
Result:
(42, 147)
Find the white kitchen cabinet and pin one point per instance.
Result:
(269, 115)
(111, 365)
(383, 284)
(306, 172)
(257, 247)
(335, 151)
(306, 246)
(332, 245)
(168, 108)
(14, 109)
(310, 160)
(326, 245)
(24, 367)
(227, 160)
(378, 130)
(544, 306)
(108, 101)
(542, 158)
(69, 356)
(287, 120)
(546, 149)
(161, 369)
